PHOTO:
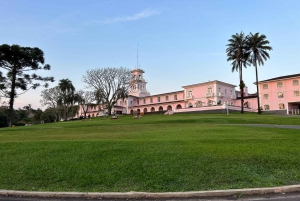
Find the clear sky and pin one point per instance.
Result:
(180, 42)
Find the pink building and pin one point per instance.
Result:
(280, 94)
(277, 95)
(211, 95)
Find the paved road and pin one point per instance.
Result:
(268, 125)
(267, 197)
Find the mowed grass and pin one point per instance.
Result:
(156, 153)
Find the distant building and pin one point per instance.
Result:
(211, 95)
(279, 95)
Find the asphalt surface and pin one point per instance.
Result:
(269, 126)
(265, 197)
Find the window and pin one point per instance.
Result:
(190, 93)
(144, 101)
(266, 107)
(121, 103)
(231, 92)
(175, 97)
(219, 89)
(295, 82)
(167, 98)
(266, 96)
(140, 77)
(209, 90)
(125, 102)
(151, 100)
(279, 84)
(137, 102)
(190, 105)
(280, 95)
(281, 106)
(296, 93)
(225, 91)
(130, 102)
(158, 99)
(265, 86)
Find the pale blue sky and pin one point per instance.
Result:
(180, 42)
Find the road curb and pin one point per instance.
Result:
(132, 194)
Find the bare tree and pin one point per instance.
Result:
(85, 100)
(51, 98)
(111, 83)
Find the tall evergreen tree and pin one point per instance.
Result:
(18, 61)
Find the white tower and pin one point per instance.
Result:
(138, 84)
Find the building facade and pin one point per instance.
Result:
(278, 95)
(195, 97)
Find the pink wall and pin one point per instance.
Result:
(271, 96)
(252, 103)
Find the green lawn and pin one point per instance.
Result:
(157, 153)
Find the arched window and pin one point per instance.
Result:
(152, 109)
(190, 104)
(169, 107)
(160, 109)
(178, 106)
(266, 107)
(145, 110)
(138, 111)
(198, 104)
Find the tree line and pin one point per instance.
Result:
(18, 66)
(105, 86)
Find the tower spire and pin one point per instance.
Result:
(137, 58)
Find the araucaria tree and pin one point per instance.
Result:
(237, 53)
(111, 84)
(18, 61)
(258, 48)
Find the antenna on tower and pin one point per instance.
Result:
(137, 58)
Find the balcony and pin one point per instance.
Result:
(209, 95)
(189, 97)
(220, 94)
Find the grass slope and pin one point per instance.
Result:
(155, 154)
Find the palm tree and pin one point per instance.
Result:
(67, 96)
(258, 46)
(237, 53)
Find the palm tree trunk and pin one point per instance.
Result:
(242, 96)
(258, 102)
(241, 87)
